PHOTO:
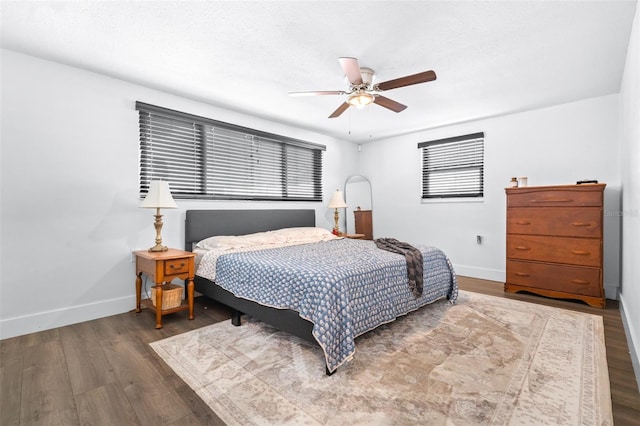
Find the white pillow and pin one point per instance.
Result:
(284, 236)
(305, 234)
(231, 242)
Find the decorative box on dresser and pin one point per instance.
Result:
(363, 223)
(555, 240)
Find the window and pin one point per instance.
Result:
(208, 159)
(453, 167)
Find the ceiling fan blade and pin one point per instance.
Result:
(318, 92)
(342, 108)
(408, 80)
(351, 69)
(389, 104)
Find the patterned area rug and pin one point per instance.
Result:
(483, 361)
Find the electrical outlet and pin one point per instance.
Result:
(478, 239)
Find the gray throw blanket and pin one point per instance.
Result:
(413, 257)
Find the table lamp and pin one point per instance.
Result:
(337, 202)
(158, 197)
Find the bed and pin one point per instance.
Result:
(338, 288)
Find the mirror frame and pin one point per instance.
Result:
(356, 179)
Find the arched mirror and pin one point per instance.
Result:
(358, 195)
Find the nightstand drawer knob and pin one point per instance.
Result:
(179, 267)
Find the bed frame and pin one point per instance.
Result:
(201, 224)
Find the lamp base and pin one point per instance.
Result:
(158, 225)
(158, 247)
(336, 228)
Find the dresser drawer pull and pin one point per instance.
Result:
(581, 252)
(179, 267)
(581, 224)
(553, 200)
(523, 222)
(522, 274)
(522, 248)
(583, 282)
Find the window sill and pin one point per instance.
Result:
(451, 200)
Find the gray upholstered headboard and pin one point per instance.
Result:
(200, 224)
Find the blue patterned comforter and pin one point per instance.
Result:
(344, 287)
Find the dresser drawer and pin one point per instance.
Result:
(570, 279)
(574, 251)
(176, 266)
(525, 197)
(583, 222)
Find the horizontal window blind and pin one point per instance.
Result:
(453, 167)
(204, 158)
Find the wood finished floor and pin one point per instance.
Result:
(104, 372)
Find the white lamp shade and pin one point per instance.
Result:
(337, 200)
(159, 196)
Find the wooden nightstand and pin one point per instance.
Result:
(353, 236)
(162, 267)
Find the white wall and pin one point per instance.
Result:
(630, 142)
(69, 182)
(557, 145)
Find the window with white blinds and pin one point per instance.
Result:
(453, 167)
(206, 159)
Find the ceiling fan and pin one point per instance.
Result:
(363, 92)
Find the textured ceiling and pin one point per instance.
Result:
(491, 57)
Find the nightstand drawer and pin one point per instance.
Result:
(176, 266)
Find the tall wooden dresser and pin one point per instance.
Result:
(554, 241)
(364, 223)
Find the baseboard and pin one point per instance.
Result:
(18, 326)
(634, 350)
(481, 273)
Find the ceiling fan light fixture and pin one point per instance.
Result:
(360, 99)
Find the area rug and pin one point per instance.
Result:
(483, 361)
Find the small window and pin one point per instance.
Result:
(453, 167)
(206, 159)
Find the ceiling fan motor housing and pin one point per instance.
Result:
(367, 76)
(367, 80)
